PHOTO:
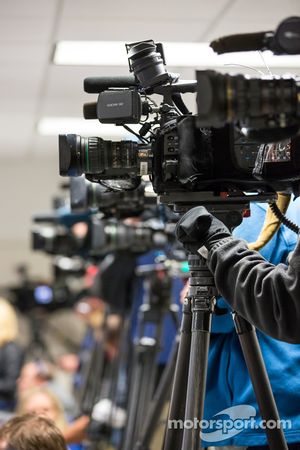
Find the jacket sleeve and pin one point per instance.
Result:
(268, 296)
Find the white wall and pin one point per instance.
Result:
(26, 187)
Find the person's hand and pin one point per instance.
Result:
(68, 362)
(198, 227)
(184, 292)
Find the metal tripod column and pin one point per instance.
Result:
(202, 292)
(173, 437)
(160, 398)
(260, 381)
(141, 388)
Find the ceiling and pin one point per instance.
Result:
(31, 87)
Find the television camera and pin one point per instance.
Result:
(208, 157)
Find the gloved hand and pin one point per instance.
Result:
(198, 227)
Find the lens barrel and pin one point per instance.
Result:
(227, 98)
(93, 155)
(147, 64)
(70, 155)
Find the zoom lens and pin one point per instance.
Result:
(95, 156)
(70, 156)
(226, 98)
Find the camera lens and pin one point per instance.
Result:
(78, 155)
(227, 98)
(70, 156)
(118, 162)
(147, 64)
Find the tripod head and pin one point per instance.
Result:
(230, 209)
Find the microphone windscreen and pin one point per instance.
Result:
(239, 43)
(95, 85)
(45, 218)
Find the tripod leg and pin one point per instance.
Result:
(158, 402)
(197, 377)
(260, 381)
(92, 380)
(144, 364)
(147, 388)
(173, 437)
(202, 291)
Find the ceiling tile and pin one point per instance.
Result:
(23, 55)
(130, 30)
(27, 8)
(135, 10)
(19, 93)
(258, 16)
(25, 30)
(16, 133)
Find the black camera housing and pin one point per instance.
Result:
(119, 106)
(121, 204)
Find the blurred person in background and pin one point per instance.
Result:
(11, 356)
(103, 331)
(40, 373)
(43, 402)
(91, 311)
(34, 374)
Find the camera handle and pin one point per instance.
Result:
(200, 301)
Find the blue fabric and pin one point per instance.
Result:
(282, 360)
(84, 355)
(75, 447)
(68, 218)
(169, 329)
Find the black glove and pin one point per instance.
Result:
(198, 227)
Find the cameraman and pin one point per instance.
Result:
(264, 294)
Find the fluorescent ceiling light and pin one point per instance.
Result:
(53, 126)
(178, 54)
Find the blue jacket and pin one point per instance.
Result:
(228, 382)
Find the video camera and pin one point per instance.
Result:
(121, 204)
(189, 158)
(103, 236)
(95, 235)
(31, 294)
(43, 296)
(55, 240)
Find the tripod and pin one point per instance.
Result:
(188, 394)
(144, 373)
